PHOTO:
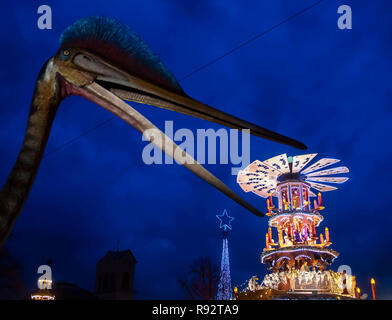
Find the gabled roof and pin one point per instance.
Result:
(117, 255)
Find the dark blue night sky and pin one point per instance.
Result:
(326, 87)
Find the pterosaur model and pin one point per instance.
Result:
(105, 62)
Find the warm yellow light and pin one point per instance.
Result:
(358, 290)
(235, 289)
(372, 281)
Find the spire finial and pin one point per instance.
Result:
(225, 221)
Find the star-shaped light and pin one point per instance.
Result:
(225, 220)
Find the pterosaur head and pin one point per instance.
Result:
(101, 54)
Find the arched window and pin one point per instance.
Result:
(125, 281)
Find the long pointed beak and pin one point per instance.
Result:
(101, 96)
(140, 91)
(131, 88)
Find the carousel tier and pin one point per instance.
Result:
(300, 285)
(311, 254)
(281, 217)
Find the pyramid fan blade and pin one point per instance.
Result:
(321, 187)
(253, 166)
(322, 163)
(261, 169)
(245, 187)
(268, 171)
(281, 163)
(241, 177)
(328, 179)
(258, 177)
(328, 172)
(251, 181)
(301, 161)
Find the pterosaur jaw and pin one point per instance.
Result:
(140, 91)
(129, 87)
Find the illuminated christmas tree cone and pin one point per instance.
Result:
(298, 260)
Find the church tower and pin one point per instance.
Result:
(115, 276)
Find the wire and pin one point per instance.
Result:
(251, 40)
(258, 36)
(101, 124)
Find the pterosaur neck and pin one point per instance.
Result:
(14, 193)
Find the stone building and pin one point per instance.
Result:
(115, 276)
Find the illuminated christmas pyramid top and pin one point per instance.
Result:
(262, 177)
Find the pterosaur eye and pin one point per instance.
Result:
(65, 54)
